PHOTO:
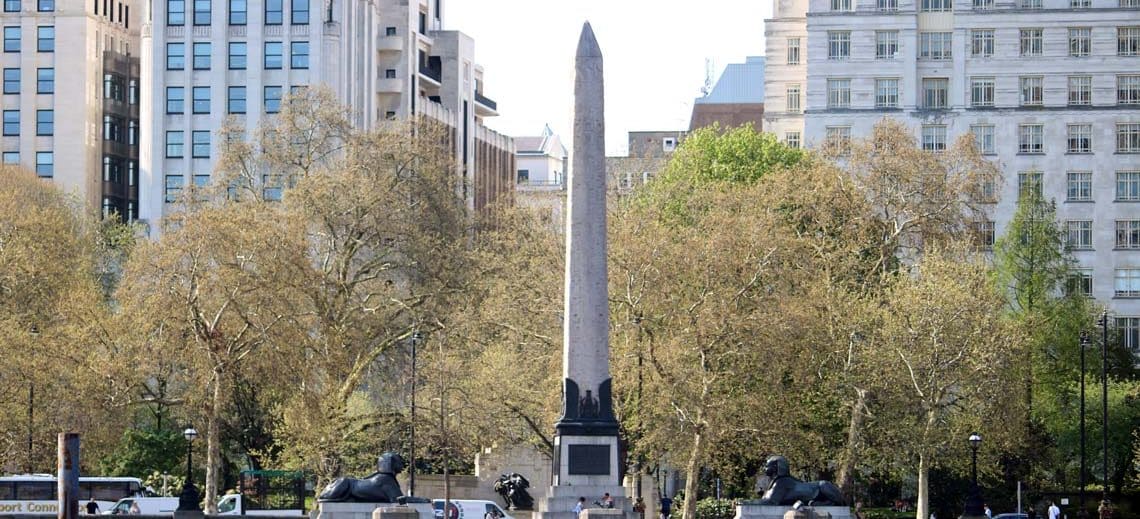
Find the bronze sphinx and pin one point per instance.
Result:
(785, 490)
(379, 487)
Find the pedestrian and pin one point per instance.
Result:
(666, 504)
(1054, 510)
(578, 507)
(1032, 513)
(92, 507)
(607, 501)
(989, 514)
(932, 515)
(858, 510)
(639, 508)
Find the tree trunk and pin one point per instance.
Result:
(922, 507)
(846, 474)
(693, 475)
(213, 451)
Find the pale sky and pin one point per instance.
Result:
(654, 56)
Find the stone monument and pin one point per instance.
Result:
(586, 460)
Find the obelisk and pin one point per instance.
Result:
(586, 435)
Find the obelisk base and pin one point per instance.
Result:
(560, 501)
(581, 460)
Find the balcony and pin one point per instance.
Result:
(389, 86)
(484, 106)
(433, 74)
(390, 44)
(540, 185)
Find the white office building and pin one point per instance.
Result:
(1050, 88)
(206, 60)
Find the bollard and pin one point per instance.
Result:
(67, 478)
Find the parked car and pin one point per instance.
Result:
(468, 509)
(1012, 515)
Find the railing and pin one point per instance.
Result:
(433, 73)
(483, 100)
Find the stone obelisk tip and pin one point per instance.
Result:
(587, 43)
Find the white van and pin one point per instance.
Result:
(146, 506)
(468, 509)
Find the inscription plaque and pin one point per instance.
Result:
(588, 460)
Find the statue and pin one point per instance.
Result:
(785, 490)
(513, 489)
(379, 487)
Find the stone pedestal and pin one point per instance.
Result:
(395, 512)
(754, 510)
(560, 504)
(374, 511)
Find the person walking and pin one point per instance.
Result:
(1032, 514)
(989, 514)
(639, 508)
(579, 507)
(92, 507)
(1054, 510)
(666, 504)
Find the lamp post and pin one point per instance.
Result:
(1104, 404)
(188, 500)
(1084, 346)
(974, 503)
(416, 338)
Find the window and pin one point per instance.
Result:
(1128, 234)
(838, 93)
(1028, 182)
(934, 137)
(237, 55)
(984, 138)
(114, 87)
(1128, 138)
(133, 133)
(299, 55)
(45, 6)
(1129, 330)
(45, 164)
(524, 176)
(934, 45)
(839, 138)
(982, 42)
(936, 5)
(202, 55)
(1080, 41)
(239, 13)
(175, 56)
(1080, 4)
(300, 12)
(11, 6)
(45, 81)
(11, 157)
(112, 169)
(272, 55)
(200, 148)
(1032, 93)
(235, 101)
(1128, 186)
(273, 12)
(983, 5)
(174, 187)
(981, 91)
(1029, 4)
(1030, 138)
(1129, 3)
(11, 81)
(935, 93)
(985, 234)
(1128, 89)
(1080, 90)
(888, 5)
(1079, 234)
(1127, 41)
(272, 99)
(793, 51)
(175, 142)
(1127, 282)
(1031, 42)
(886, 44)
(11, 122)
(175, 100)
(887, 93)
(792, 139)
(112, 128)
(11, 39)
(45, 122)
(201, 100)
(202, 12)
(175, 12)
(45, 38)
(840, 5)
(133, 91)
(391, 31)
(1080, 282)
(1078, 186)
(271, 186)
(793, 92)
(838, 44)
(1080, 138)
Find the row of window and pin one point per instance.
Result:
(948, 5)
(43, 6)
(1030, 139)
(115, 87)
(115, 130)
(238, 54)
(45, 162)
(45, 123)
(238, 12)
(982, 92)
(45, 81)
(938, 45)
(1079, 234)
(45, 38)
(271, 186)
(116, 170)
(1078, 187)
(235, 99)
(199, 144)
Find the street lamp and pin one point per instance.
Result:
(416, 338)
(974, 504)
(1084, 346)
(1104, 405)
(188, 500)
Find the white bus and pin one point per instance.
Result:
(37, 493)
